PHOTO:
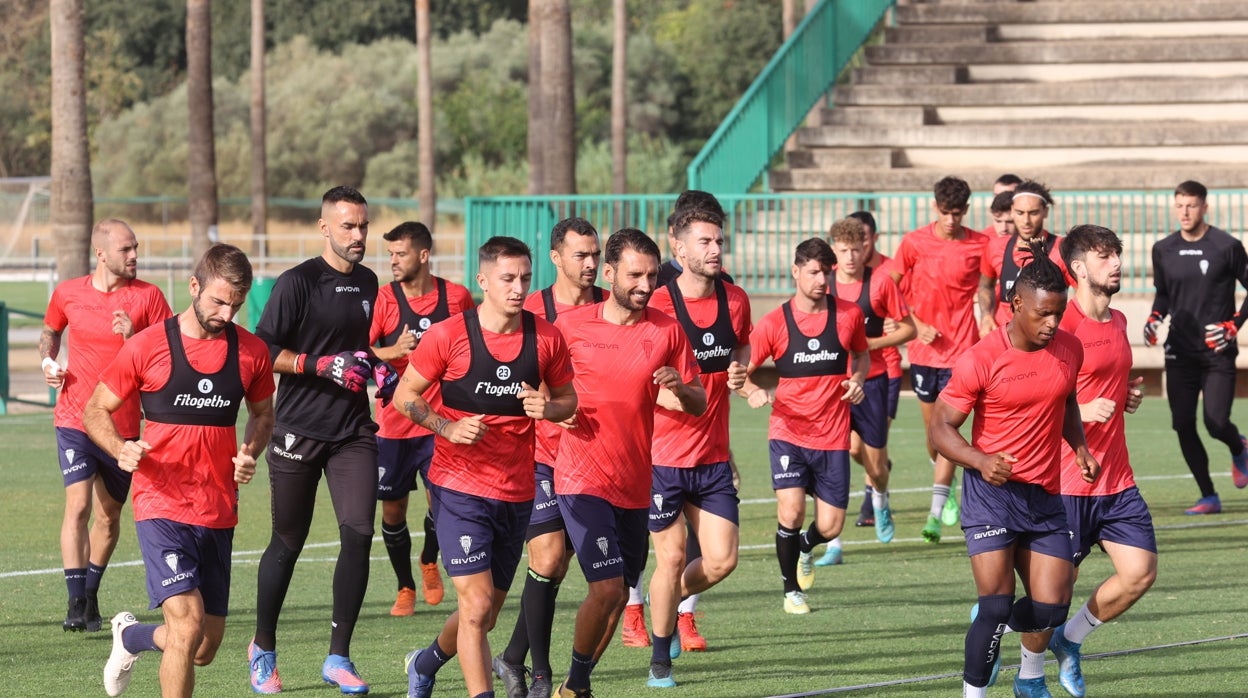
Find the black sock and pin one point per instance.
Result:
(429, 553)
(350, 582)
(788, 546)
(76, 581)
(94, 574)
(578, 673)
(811, 538)
(866, 510)
(277, 565)
(398, 542)
(432, 659)
(983, 638)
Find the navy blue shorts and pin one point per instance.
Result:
(869, 418)
(180, 558)
(546, 517)
(707, 487)
(609, 541)
(894, 396)
(478, 534)
(928, 381)
(824, 474)
(399, 461)
(82, 460)
(1118, 518)
(994, 518)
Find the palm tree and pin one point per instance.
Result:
(71, 210)
(558, 97)
(201, 155)
(426, 164)
(259, 161)
(536, 134)
(619, 101)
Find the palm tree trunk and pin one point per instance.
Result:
(619, 101)
(537, 131)
(259, 161)
(428, 195)
(201, 154)
(558, 96)
(71, 206)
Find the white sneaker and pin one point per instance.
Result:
(120, 661)
(795, 603)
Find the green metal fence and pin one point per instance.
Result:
(6, 386)
(800, 73)
(763, 229)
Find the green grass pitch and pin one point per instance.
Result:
(891, 613)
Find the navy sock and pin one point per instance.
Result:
(398, 542)
(662, 649)
(866, 509)
(429, 553)
(578, 673)
(432, 659)
(76, 581)
(94, 573)
(983, 639)
(787, 551)
(140, 637)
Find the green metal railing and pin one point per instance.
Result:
(800, 73)
(763, 229)
(6, 386)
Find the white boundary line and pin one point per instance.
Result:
(954, 675)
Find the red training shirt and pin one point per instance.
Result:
(809, 412)
(1019, 401)
(944, 277)
(886, 302)
(92, 345)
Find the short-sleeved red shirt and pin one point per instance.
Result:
(994, 260)
(1019, 401)
(809, 412)
(1105, 373)
(607, 455)
(500, 465)
(548, 433)
(391, 423)
(886, 302)
(892, 355)
(88, 313)
(682, 440)
(188, 476)
(944, 277)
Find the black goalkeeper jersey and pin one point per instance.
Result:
(315, 309)
(1196, 286)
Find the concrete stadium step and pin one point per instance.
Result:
(878, 116)
(1129, 176)
(1097, 30)
(1118, 113)
(853, 158)
(1071, 11)
(1164, 50)
(939, 33)
(1088, 92)
(910, 75)
(1066, 72)
(1039, 135)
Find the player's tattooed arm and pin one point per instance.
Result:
(49, 343)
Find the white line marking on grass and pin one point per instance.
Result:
(954, 675)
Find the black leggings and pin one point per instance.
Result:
(350, 469)
(1187, 379)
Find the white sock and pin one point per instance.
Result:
(969, 691)
(1079, 625)
(635, 597)
(940, 493)
(1032, 666)
(689, 605)
(835, 542)
(879, 500)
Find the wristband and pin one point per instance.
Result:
(300, 360)
(48, 360)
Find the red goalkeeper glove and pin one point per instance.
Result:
(349, 370)
(1220, 335)
(1150, 328)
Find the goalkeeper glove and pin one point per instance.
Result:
(347, 369)
(1150, 328)
(1220, 335)
(387, 380)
